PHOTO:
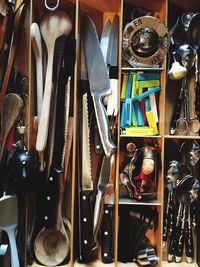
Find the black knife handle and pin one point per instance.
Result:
(173, 238)
(107, 234)
(197, 100)
(87, 237)
(181, 238)
(171, 216)
(189, 245)
(166, 217)
(176, 115)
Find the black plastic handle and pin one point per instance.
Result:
(107, 235)
(189, 245)
(181, 238)
(87, 237)
(174, 234)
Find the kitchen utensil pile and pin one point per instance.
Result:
(182, 190)
(99, 65)
(49, 238)
(184, 51)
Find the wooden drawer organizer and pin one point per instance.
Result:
(100, 11)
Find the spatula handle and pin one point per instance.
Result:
(103, 125)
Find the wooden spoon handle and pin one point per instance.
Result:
(10, 111)
(37, 49)
(45, 110)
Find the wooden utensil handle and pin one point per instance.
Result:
(43, 126)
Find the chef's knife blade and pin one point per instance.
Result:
(101, 188)
(104, 40)
(112, 54)
(87, 241)
(112, 62)
(99, 82)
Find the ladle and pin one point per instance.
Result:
(9, 222)
(10, 111)
(187, 191)
(193, 36)
(53, 25)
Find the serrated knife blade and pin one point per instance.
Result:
(99, 82)
(87, 182)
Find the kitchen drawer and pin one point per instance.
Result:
(126, 205)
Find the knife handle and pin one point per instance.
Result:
(189, 246)
(181, 238)
(87, 238)
(107, 235)
(103, 125)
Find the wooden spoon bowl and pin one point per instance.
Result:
(52, 246)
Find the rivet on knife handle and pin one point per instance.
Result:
(103, 126)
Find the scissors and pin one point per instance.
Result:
(185, 123)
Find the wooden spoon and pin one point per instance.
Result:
(51, 246)
(53, 25)
(10, 111)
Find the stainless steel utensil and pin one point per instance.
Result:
(187, 191)
(9, 222)
(147, 256)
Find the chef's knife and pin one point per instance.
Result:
(99, 82)
(101, 188)
(87, 241)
